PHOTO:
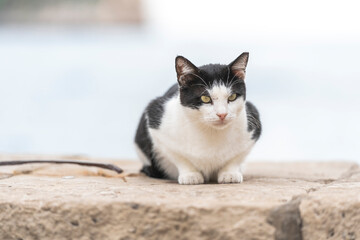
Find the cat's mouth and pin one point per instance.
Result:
(220, 123)
(217, 122)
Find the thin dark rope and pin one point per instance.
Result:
(88, 164)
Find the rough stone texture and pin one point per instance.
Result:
(333, 211)
(276, 201)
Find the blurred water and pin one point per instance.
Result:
(82, 91)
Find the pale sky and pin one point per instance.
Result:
(76, 91)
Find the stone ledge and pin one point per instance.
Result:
(276, 201)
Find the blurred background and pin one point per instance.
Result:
(75, 75)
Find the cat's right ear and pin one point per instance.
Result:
(184, 70)
(238, 66)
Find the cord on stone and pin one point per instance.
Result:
(88, 164)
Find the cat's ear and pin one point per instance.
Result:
(184, 70)
(238, 66)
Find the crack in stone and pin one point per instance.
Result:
(353, 170)
(5, 175)
(324, 182)
(287, 220)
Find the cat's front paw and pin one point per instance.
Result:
(230, 177)
(191, 178)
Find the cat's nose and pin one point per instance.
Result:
(222, 116)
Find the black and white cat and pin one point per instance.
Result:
(202, 128)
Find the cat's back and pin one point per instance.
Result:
(152, 118)
(156, 108)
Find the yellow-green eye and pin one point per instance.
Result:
(232, 97)
(205, 99)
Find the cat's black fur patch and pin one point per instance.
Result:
(152, 118)
(144, 142)
(253, 118)
(155, 109)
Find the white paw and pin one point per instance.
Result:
(191, 178)
(230, 177)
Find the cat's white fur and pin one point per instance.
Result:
(194, 146)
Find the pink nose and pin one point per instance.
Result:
(222, 116)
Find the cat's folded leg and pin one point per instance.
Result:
(188, 174)
(231, 172)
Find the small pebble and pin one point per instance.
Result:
(107, 193)
(68, 177)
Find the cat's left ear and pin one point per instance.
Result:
(184, 70)
(238, 66)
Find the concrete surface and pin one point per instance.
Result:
(276, 201)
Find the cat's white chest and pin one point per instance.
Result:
(207, 149)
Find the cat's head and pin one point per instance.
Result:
(213, 94)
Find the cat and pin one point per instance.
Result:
(202, 128)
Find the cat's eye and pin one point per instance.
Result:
(232, 97)
(205, 99)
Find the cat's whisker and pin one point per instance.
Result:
(200, 79)
(232, 79)
(234, 83)
(253, 120)
(199, 84)
(204, 91)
